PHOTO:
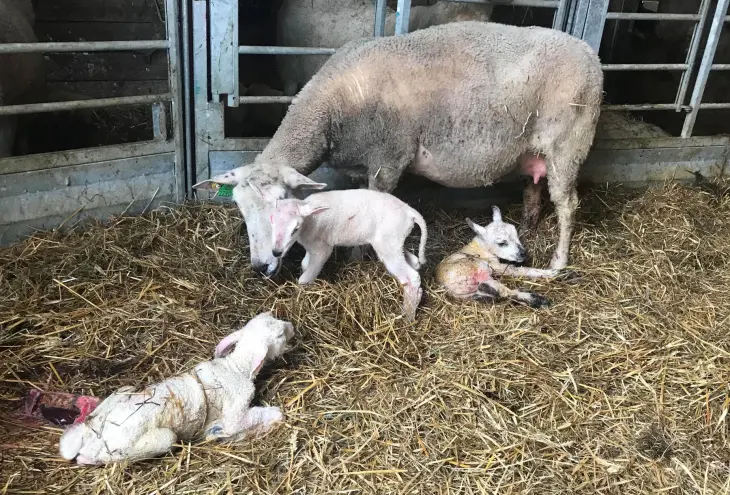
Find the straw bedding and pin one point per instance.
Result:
(621, 386)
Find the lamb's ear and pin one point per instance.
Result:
(496, 214)
(478, 229)
(232, 178)
(307, 210)
(71, 441)
(257, 362)
(295, 180)
(226, 346)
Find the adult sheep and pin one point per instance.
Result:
(334, 23)
(20, 74)
(461, 104)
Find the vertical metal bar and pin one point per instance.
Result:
(594, 23)
(172, 18)
(159, 122)
(188, 92)
(224, 49)
(201, 90)
(694, 46)
(560, 15)
(379, 28)
(402, 17)
(705, 67)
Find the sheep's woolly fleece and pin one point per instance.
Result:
(619, 387)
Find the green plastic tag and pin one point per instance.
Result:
(223, 190)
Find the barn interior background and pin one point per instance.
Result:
(102, 137)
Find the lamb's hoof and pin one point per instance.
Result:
(538, 301)
(571, 276)
(487, 291)
(411, 300)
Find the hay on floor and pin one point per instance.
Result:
(620, 387)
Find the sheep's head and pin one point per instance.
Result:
(500, 238)
(256, 188)
(263, 338)
(286, 220)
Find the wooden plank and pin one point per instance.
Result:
(109, 89)
(44, 161)
(84, 175)
(99, 31)
(107, 66)
(108, 10)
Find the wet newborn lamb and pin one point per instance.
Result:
(211, 401)
(468, 273)
(354, 217)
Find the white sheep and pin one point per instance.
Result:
(355, 217)
(211, 401)
(469, 273)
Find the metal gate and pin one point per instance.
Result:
(50, 189)
(627, 160)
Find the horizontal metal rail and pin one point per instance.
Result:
(629, 16)
(644, 107)
(83, 104)
(284, 50)
(720, 67)
(638, 67)
(549, 4)
(714, 106)
(83, 46)
(248, 100)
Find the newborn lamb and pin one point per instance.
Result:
(468, 273)
(354, 217)
(211, 401)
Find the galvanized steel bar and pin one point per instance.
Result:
(691, 59)
(548, 4)
(640, 67)
(188, 109)
(284, 50)
(560, 15)
(714, 106)
(402, 17)
(174, 70)
(706, 66)
(248, 100)
(83, 104)
(380, 11)
(720, 66)
(83, 46)
(651, 17)
(641, 107)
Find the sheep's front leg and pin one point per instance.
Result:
(495, 290)
(154, 443)
(254, 421)
(315, 258)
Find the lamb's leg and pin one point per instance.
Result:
(318, 256)
(498, 290)
(532, 203)
(237, 427)
(396, 264)
(524, 272)
(154, 443)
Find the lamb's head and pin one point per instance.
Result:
(256, 188)
(264, 338)
(286, 220)
(500, 238)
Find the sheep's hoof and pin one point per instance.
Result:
(538, 301)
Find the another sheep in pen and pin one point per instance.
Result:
(469, 273)
(211, 401)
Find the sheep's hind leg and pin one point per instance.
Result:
(396, 264)
(498, 291)
(532, 204)
(154, 443)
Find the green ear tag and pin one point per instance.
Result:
(224, 190)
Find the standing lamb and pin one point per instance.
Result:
(21, 74)
(461, 104)
(211, 401)
(469, 273)
(352, 218)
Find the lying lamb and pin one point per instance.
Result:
(468, 273)
(355, 217)
(211, 401)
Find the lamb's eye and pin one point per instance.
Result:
(502, 244)
(295, 230)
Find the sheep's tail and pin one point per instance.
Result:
(424, 235)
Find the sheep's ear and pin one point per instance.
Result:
(257, 362)
(478, 229)
(231, 178)
(295, 180)
(496, 214)
(226, 346)
(306, 209)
